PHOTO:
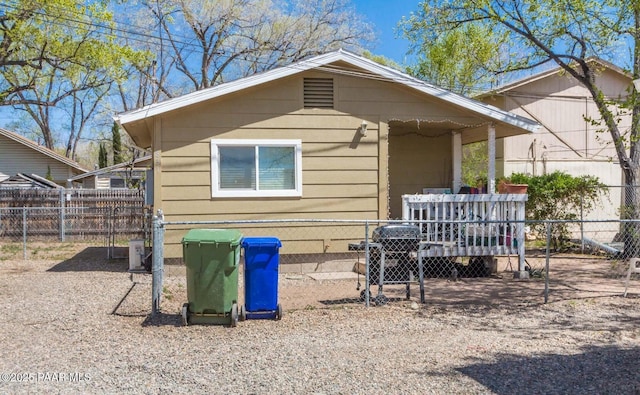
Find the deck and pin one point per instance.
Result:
(468, 225)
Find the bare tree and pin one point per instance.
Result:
(202, 43)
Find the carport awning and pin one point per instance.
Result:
(471, 130)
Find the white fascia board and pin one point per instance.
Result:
(323, 60)
(450, 97)
(224, 89)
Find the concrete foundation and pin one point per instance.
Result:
(522, 275)
(319, 267)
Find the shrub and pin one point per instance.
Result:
(559, 196)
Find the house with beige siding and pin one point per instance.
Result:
(336, 136)
(568, 141)
(21, 155)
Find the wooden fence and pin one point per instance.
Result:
(77, 214)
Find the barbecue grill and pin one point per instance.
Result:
(397, 237)
(398, 242)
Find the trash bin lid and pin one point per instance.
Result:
(273, 242)
(230, 236)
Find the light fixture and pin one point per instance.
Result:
(636, 83)
(363, 128)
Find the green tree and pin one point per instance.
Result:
(382, 60)
(461, 60)
(475, 163)
(565, 33)
(48, 176)
(102, 156)
(116, 144)
(58, 60)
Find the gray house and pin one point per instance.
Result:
(21, 155)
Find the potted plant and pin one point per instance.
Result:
(506, 186)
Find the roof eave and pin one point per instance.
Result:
(550, 72)
(357, 61)
(43, 150)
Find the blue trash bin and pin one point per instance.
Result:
(261, 261)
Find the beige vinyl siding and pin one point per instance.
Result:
(560, 104)
(349, 191)
(103, 182)
(365, 96)
(341, 170)
(307, 208)
(251, 216)
(18, 158)
(296, 239)
(566, 142)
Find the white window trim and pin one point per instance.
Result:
(216, 192)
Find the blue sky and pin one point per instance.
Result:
(385, 15)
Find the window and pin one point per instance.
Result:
(256, 168)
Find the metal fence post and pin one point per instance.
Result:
(62, 214)
(24, 232)
(582, 223)
(546, 268)
(158, 262)
(367, 287)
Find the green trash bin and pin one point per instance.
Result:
(211, 257)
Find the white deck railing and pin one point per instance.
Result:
(468, 225)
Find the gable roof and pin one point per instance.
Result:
(324, 62)
(553, 71)
(43, 150)
(28, 181)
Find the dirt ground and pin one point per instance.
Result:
(569, 277)
(69, 310)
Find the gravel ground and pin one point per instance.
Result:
(81, 325)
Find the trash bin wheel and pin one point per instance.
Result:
(381, 300)
(243, 314)
(234, 315)
(185, 314)
(278, 312)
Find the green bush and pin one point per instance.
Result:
(559, 196)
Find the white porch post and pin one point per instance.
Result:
(491, 176)
(456, 143)
(491, 172)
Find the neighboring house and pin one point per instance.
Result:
(568, 141)
(21, 155)
(121, 175)
(336, 136)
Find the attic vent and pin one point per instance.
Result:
(318, 93)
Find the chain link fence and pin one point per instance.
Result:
(390, 259)
(110, 226)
